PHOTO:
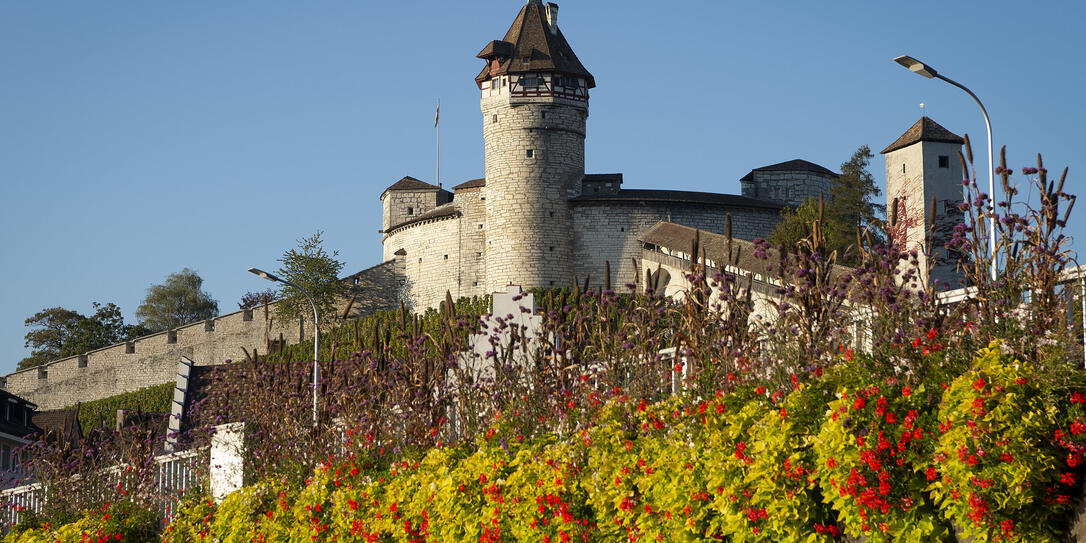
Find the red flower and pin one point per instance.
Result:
(979, 384)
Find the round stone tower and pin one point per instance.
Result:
(535, 105)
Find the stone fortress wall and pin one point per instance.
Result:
(152, 360)
(149, 360)
(784, 187)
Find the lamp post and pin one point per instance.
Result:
(316, 329)
(920, 68)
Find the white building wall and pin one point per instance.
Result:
(608, 233)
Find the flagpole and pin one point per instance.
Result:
(437, 127)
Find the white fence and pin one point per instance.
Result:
(175, 474)
(19, 499)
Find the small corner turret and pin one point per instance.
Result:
(408, 198)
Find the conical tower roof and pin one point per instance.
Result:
(924, 130)
(532, 45)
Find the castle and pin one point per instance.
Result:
(535, 220)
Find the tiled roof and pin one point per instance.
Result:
(797, 165)
(924, 130)
(410, 183)
(677, 196)
(680, 238)
(530, 37)
(59, 422)
(473, 184)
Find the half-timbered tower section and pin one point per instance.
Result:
(534, 100)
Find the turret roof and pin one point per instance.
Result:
(530, 37)
(924, 130)
(473, 184)
(410, 183)
(797, 165)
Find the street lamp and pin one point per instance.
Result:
(927, 71)
(316, 329)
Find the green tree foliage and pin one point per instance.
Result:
(103, 412)
(58, 333)
(316, 270)
(850, 205)
(177, 302)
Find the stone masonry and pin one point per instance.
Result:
(921, 166)
(534, 163)
(152, 360)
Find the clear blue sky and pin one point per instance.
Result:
(140, 138)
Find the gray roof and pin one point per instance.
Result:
(796, 165)
(603, 177)
(530, 37)
(924, 130)
(677, 196)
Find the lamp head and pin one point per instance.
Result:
(264, 274)
(916, 66)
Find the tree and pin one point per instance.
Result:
(59, 333)
(177, 302)
(251, 299)
(317, 271)
(850, 205)
(854, 196)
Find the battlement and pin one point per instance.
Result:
(152, 360)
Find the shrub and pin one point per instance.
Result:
(120, 521)
(997, 471)
(871, 452)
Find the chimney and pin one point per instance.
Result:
(552, 17)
